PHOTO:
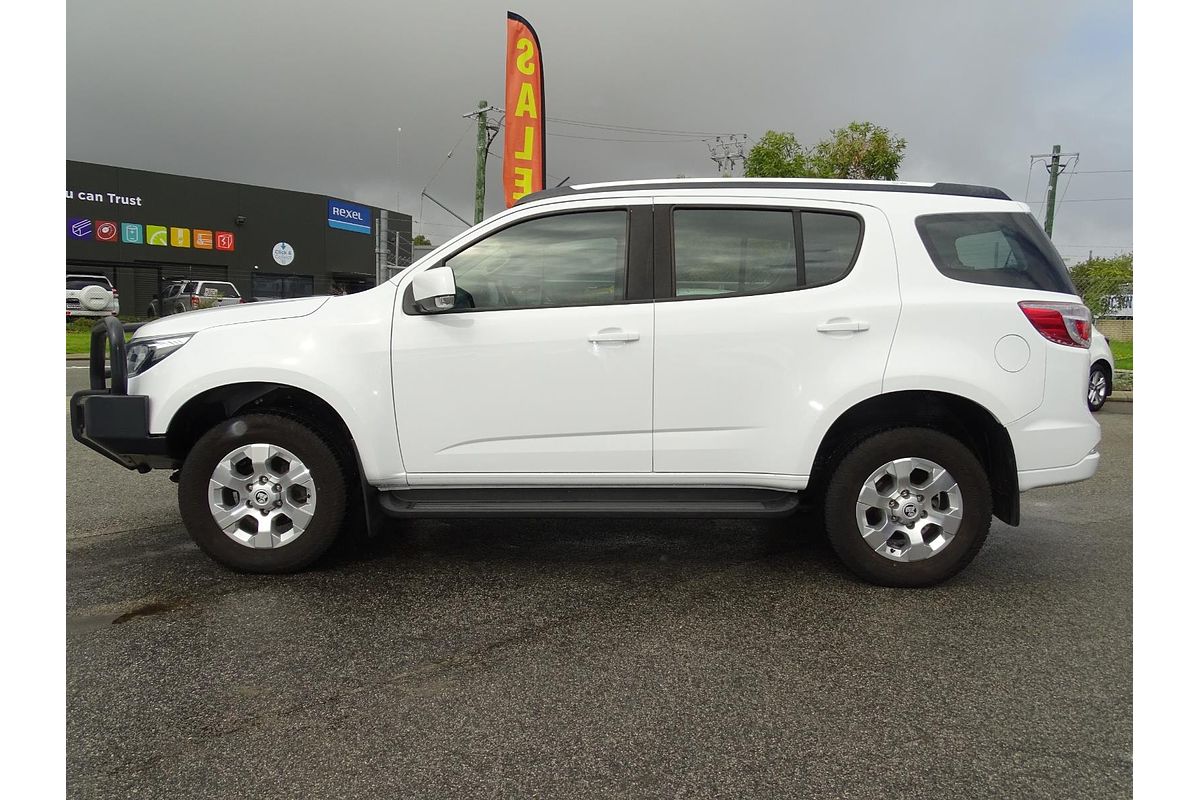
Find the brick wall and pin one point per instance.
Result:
(1120, 330)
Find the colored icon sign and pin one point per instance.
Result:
(224, 240)
(156, 234)
(106, 231)
(202, 239)
(78, 228)
(131, 232)
(181, 237)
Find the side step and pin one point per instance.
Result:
(589, 502)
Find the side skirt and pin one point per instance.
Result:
(589, 502)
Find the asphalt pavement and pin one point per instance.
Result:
(606, 658)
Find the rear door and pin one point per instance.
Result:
(767, 315)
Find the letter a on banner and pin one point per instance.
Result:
(524, 113)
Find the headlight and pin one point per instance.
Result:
(142, 354)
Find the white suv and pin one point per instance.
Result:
(91, 296)
(904, 358)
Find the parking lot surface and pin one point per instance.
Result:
(597, 658)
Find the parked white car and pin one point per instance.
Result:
(907, 358)
(91, 295)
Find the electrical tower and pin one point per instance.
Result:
(727, 151)
(1055, 167)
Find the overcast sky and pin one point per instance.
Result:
(308, 95)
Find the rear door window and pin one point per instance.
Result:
(996, 249)
(734, 251)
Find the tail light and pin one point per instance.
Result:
(241, 299)
(1061, 323)
(195, 301)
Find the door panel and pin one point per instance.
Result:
(526, 390)
(741, 382)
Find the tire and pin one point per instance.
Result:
(1099, 387)
(150, 313)
(896, 561)
(289, 440)
(95, 298)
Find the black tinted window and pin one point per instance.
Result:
(76, 282)
(830, 242)
(189, 288)
(564, 260)
(726, 250)
(998, 249)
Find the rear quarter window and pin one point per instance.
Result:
(995, 249)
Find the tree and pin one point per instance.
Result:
(1098, 279)
(861, 150)
(778, 155)
(420, 240)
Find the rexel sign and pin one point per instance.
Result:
(349, 216)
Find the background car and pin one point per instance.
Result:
(91, 296)
(1100, 379)
(166, 298)
(181, 296)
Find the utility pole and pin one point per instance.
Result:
(486, 132)
(1053, 191)
(481, 146)
(1055, 168)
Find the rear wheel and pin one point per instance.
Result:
(263, 493)
(908, 507)
(1098, 387)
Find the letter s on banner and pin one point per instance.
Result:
(524, 112)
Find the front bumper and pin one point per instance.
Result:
(108, 419)
(117, 426)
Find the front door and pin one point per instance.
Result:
(544, 366)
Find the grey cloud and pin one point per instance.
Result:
(308, 95)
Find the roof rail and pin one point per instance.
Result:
(955, 189)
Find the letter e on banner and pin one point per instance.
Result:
(524, 113)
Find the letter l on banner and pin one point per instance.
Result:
(524, 113)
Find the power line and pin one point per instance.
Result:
(633, 129)
(607, 139)
(1097, 200)
(1098, 171)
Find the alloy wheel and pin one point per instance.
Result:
(909, 509)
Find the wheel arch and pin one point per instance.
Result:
(1107, 367)
(210, 407)
(965, 419)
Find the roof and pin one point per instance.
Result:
(955, 189)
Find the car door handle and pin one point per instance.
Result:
(614, 336)
(839, 325)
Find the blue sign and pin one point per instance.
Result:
(79, 228)
(349, 216)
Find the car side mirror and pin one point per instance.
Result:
(434, 290)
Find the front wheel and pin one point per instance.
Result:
(262, 493)
(908, 507)
(1098, 387)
